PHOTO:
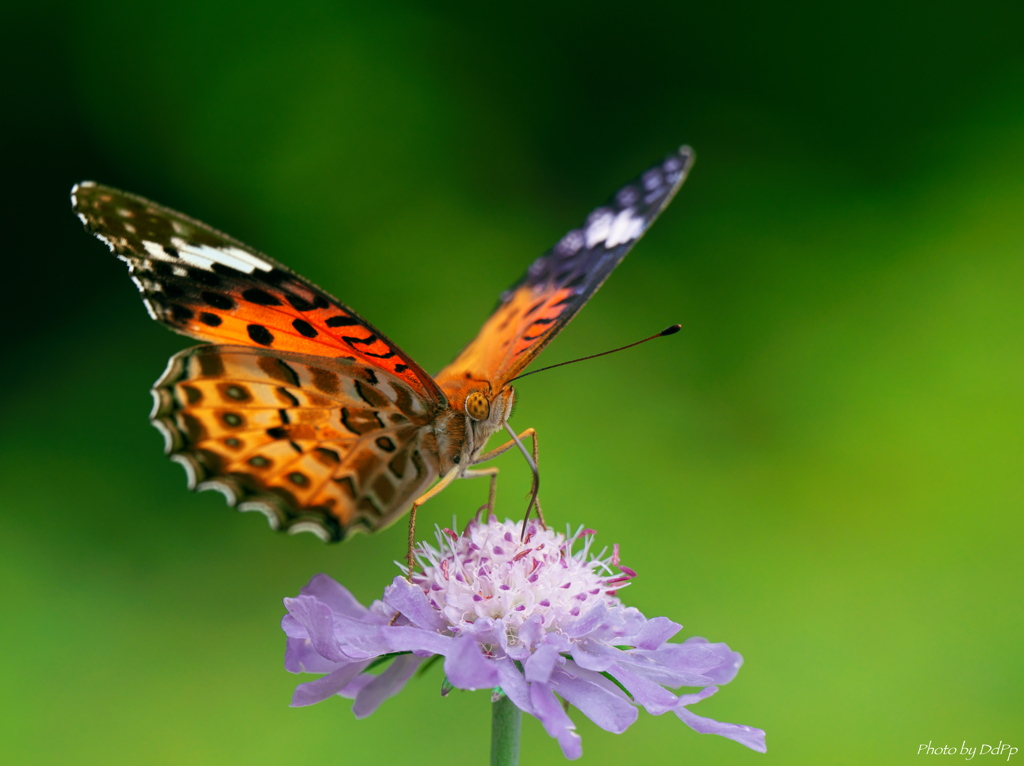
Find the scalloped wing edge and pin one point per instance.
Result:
(279, 517)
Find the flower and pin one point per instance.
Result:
(530, 616)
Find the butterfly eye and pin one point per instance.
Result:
(477, 406)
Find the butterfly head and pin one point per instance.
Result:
(474, 416)
(485, 414)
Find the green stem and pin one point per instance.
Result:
(506, 721)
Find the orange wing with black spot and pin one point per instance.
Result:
(316, 444)
(204, 284)
(557, 285)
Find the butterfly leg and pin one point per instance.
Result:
(493, 473)
(529, 433)
(517, 441)
(447, 479)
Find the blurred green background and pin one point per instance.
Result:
(824, 469)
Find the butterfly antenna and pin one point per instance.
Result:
(667, 331)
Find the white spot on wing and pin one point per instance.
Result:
(249, 258)
(626, 227)
(204, 256)
(193, 256)
(154, 250)
(598, 227)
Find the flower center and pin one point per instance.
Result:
(490, 572)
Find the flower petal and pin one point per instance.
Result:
(608, 709)
(531, 632)
(293, 628)
(318, 620)
(729, 661)
(335, 595)
(514, 685)
(410, 600)
(406, 638)
(655, 632)
(386, 685)
(654, 697)
(555, 721)
(688, 664)
(301, 657)
(316, 691)
(485, 631)
(587, 622)
(356, 685)
(539, 666)
(694, 697)
(467, 668)
(464, 665)
(592, 658)
(622, 625)
(745, 735)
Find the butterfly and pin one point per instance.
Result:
(299, 408)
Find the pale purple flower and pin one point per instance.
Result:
(532, 617)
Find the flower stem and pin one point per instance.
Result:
(506, 722)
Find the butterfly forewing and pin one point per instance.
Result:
(557, 285)
(209, 286)
(313, 443)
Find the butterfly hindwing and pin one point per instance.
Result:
(557, 285)
(209, 286)
(313, 443)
